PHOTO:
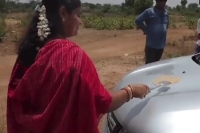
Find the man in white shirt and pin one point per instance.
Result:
(197, 49)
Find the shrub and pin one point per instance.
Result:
(2, 29)
(109, 23)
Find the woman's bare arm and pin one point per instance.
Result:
(118, 99)
(129, 92)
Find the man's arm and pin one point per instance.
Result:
(140, 20)
(168, 23)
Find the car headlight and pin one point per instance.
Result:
(113, 125)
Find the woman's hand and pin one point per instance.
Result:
(139, 90)
(128, 93)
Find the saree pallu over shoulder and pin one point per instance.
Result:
(60, 93)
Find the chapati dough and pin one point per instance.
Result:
(166, 78)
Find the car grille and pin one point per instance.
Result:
(113, 125)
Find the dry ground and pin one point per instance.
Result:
(106, 48)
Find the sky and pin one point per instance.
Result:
(169, 2)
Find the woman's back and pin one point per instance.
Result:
(50, 95)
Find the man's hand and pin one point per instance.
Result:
(144, 32)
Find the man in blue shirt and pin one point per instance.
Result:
(197, 48)
(154, 23)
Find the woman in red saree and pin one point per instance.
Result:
(54, 86)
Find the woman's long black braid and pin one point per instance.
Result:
(27, 48)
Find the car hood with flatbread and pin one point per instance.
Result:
(172, 108)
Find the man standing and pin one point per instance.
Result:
(197, 48)
(154, 23)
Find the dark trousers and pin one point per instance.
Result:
(197, 49)
(152, 54)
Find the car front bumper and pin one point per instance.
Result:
(111, 125)
(105, 126)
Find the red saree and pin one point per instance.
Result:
(59, 93)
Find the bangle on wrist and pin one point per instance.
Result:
(132, 91)
(128, 94)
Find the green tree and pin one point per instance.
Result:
(168, 7)
(2, 20)
(141, 5)
(105, 8)
(115, 9)
(183, 3)
(129, 3)
(178, 8)
(2, 5)
(193, 6)
(89, 5)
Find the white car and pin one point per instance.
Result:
(169, 108)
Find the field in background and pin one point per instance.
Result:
(113, 43)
